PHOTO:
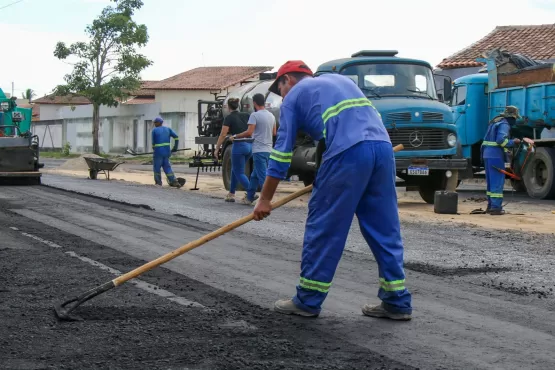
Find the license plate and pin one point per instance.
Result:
(418, 171)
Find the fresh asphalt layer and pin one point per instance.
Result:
(483, 299)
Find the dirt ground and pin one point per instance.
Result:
(521, 214)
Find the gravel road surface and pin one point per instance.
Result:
(483, 299)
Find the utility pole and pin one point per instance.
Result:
(12, 88)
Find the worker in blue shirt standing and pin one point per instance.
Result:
(494, 152)
(356, 175)
(161, 141)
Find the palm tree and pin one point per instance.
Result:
(29, 94)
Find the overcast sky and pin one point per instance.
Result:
(185, 34)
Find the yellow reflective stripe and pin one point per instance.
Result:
(494, 195)
(164, 144)
(392, 286)
(169, 174)
(281, 156)
(314, 285)
(345, 104)
(490, 143)
(505, 142)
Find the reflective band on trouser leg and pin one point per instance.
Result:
(495, 195)
(341, 106)
(392, 286)
(314, 285)
(280, 156)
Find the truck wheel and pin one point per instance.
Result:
(307, 179)
(436, 181)
(226, 169)
(539, 174)
(518, 186)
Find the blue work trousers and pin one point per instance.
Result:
(361, 181)
(495, 181)
(241, 152)
(258, 175)
(162, 161)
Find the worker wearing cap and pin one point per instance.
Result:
(494, 151)
(356, 176)
(161, 141)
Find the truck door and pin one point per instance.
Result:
(458, 107)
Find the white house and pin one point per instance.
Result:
(69, 119)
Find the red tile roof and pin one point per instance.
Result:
(62, 100)
(208, 78)
(535, 41)
(140, 100)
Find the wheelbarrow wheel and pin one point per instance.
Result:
(92, 174)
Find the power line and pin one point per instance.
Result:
(15, 2)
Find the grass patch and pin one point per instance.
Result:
(58, 155)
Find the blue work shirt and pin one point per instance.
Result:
(161, 140)
(496, 141)
(330, 106)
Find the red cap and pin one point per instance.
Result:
(290, 66)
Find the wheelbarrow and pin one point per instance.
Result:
(102, 165)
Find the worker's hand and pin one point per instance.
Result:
(516, 141)
(529, 141)
(174, 150)
(231, 138)
(263, 209)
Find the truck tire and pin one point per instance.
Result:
(436, 181)
(518, 186)
(226, 169)
(539, 174)
(307, 179)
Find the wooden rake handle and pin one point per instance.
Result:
(213, 235)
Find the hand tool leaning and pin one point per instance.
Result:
(63, 310)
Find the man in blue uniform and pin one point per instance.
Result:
(356, 176)
(495, 153)
(161, 141)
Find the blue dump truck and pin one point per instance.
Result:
(404, 93)
(19, 148)
(478, 98)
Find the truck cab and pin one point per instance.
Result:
(404, 93)
(469, 104)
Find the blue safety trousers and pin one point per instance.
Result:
(161, 141)
(495, 153)
(341, 190)
(356, 176)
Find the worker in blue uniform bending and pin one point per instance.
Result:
(356, 176)
(161, 141)
(494, 152)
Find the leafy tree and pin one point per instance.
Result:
(108, 67)
(29, 94)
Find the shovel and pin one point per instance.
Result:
(63, 310)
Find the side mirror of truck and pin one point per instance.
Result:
(447, 92)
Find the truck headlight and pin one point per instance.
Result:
(452, 140)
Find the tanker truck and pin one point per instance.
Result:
(19, 148)
(404, 93)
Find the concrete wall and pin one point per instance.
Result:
(50, 134)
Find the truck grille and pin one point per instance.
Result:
(419, 138)
(399, 116)
(406, 117)
(432, 116)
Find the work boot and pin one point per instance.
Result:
(497, 212)
(246, 200)
(380, 311)
(230, 198)
(286, 306)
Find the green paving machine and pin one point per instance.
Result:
(19, 148)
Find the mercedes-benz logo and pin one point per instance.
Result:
(416, 139)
